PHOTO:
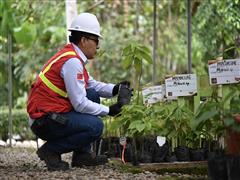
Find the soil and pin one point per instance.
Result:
(23, 163)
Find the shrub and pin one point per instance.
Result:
(20, 124)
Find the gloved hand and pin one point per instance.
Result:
(124, 94)
(114, 109)
(116, 87)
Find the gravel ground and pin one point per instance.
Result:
(23, 163)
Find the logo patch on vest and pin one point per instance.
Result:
(79, 76)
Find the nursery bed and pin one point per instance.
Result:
(196, 167)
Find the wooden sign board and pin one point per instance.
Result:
(181, 85)
(153, 94)
(224, 71)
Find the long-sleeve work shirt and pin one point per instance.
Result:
(76, 87)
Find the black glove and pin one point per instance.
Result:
(116, 87)
(114, 109)
(124, 95)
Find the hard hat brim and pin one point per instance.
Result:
(83, 30)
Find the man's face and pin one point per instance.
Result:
(90, 46)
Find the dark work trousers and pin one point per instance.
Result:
(76, 135)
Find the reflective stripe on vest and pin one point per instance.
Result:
(48, 83)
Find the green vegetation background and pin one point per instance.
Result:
(38, 30)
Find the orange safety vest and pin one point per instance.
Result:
(48, 93)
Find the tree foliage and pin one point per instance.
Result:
(37, 32)
(38, 29)
(217, 24)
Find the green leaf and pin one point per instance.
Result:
(138, 65)
(26, 34)
(144, 54)
(235, 105)
(207, 115)
(127, 62)
(144, 49)
(126, 50)
(116, 124)
(140, 127)
(229, 121)
(147, 57)
(134, 124)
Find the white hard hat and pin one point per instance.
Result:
(86, 22)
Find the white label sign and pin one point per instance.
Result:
(161, 140)
(224, 72)
(153, 94)
(181, 85)
(123, 140)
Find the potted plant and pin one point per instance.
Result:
(207, 121)
(232, 123)
(132, 121)
(220, 117)
(177, 127)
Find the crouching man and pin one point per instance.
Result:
(64, 102)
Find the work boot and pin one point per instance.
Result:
(87, 159)
(52, 160)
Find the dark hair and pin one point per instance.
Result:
(76, 36)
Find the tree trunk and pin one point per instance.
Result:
(71, 12)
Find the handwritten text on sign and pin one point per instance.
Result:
(181, 85)
(224, 72)
(153, 94)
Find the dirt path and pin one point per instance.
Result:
(22, 163)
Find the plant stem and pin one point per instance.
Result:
(139, 80)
